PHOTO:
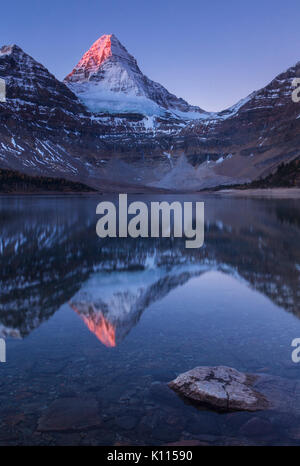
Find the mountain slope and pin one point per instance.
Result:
(107, 78)
(46, 131)
(38, 115)
(252, 138)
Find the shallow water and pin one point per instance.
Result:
(110, 322)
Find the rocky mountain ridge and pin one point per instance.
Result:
(48, 130)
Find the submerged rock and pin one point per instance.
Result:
(186, 443)
(221, 388)
(257, 427)
(70, 414)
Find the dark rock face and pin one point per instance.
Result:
(258, 132)
(70, 414)
(222, 388)
(30, 84)
(40, 117)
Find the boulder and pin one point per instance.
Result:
(221, 388)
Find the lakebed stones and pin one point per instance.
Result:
(221, 388)
(257, 427)
(70, 414)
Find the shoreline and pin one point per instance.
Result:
(278, 193)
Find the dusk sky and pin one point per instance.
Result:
(211, 53)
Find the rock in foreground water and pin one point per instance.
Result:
(221, 388)
(70, 414)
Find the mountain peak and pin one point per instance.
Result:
(107, 79)
(104, 48)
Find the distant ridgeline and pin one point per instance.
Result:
(287, 175)
(13, 182)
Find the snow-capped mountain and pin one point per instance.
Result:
(108, 79)
(45, 129)
(48, 130)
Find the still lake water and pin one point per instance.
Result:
(101, 326)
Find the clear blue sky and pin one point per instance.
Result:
(212, 53)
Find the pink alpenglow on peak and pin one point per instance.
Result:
(107, 79)
(101, 50)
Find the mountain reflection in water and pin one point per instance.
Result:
(111, 303)
(51, 255)
(98, 324)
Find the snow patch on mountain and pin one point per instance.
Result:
(99, 100)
